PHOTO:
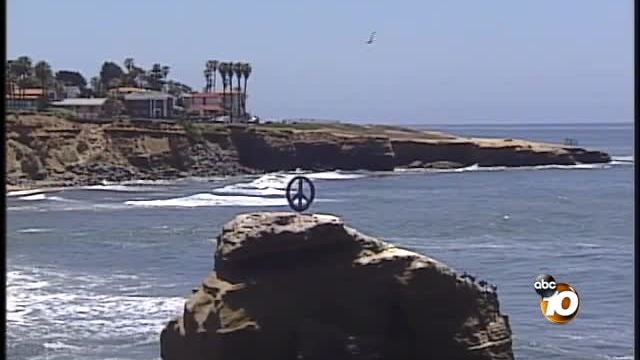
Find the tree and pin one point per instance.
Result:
(71, 78)
(207, 79)
(237, 69)
(96, 86)
(155, 76)
(129, 64)
(110, 71)
(43, 73)
(113, 106)
(212, 65)
(222, 68)
(22, 70)
(246, 72)
(11, 79)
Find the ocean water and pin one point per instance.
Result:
(96, 272)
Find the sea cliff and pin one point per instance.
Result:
(46, 150)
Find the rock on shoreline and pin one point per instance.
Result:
(290, 286)
(43, 149)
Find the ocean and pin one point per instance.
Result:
(96, 272)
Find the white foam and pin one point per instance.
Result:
(275, 184)
(34, 197)
(207, 199)
(33, 191)
(476, 168)
(334, 175)
(57, 345)
(119, 187)
(39, 300)
(623, 158)
(41, 197)
(34, 230)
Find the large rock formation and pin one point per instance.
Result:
(289, 286)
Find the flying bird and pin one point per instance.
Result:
(372, 38)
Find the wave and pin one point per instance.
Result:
(41, 197)
(118, 187)
(39, 300)
(622, 160)
(275, 184)
(476, 167)
(207, 199)
(34, 230)
(33, 191)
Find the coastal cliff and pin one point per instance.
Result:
(291, 286)
(47, 150)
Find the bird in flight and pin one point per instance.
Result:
(372, 38)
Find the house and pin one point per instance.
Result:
(149, 104)
(203, 105)
(121, 92)
(83, 108)
(27, 98)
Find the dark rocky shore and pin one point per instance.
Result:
(289, 286)
(45, 150)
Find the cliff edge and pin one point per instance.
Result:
(290, 286)
(47, 150)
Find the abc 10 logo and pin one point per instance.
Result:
(559, 302)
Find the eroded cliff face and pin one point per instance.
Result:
(290, 286)
(44, 149)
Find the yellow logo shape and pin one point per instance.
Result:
(562, 306)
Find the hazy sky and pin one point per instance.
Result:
(433, 61)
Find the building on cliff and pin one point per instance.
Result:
(203, 105)
(27, 98)
(83, 108)
(150, 104)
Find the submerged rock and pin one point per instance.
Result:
(290, 286)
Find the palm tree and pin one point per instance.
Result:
(207, 79)
(43, 73)
(156, 74)
(214, 67)
(22, 70)
(246, 72)
(129, 64)
(237, 69)
(10, 78)
(222, 68)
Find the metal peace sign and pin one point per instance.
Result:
(300, 193)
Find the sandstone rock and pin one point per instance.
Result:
(289, 286)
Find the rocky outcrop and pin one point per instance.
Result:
(43, 149)
(289, 286)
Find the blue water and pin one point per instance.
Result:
(96, 273)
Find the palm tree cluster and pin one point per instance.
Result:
(21, 74)
(234, 103)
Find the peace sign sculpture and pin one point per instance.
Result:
(298, 199)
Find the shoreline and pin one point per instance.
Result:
(45, 151)
(50, 186)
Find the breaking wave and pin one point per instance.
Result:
(119, 187)
(476, 167)
(41, 299)
(275, 184)
(32, 191)
(622, 160)
(207, 199)
(41, 197)
(34, 230)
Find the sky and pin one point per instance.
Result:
(433, 62)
